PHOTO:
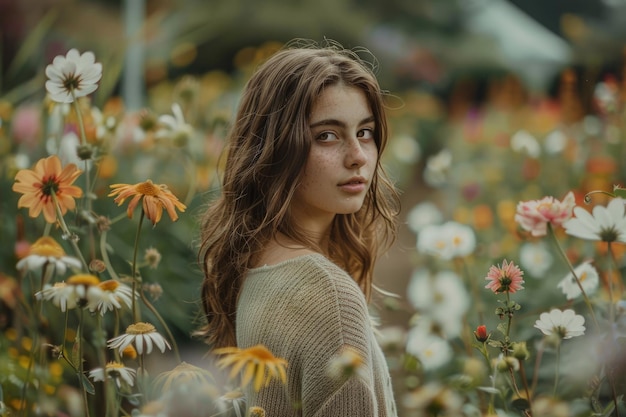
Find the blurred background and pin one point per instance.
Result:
(466, 77)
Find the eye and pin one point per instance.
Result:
(367, 133)
(326, 137)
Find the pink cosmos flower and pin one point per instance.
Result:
(505, 278)
(535, 215)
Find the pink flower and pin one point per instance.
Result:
(535, 215)
(505, 278)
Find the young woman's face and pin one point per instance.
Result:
(342, 160)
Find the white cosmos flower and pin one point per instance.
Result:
(607, 224)
(142, 336)
(565, 324)
(174, 127)
(442, 297)
(72, 76)
(111, 296)
(46, 251)
(535, 258)
(588, 277)
(422, 215)
(524, 142)
(431, 350)
(447, 241)
(116, 371)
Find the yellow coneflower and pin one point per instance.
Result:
(258, 361)
(155, 198)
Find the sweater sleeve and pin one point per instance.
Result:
(309, 317)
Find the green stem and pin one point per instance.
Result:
(105, 256)
(573, 272)
(557, 371)
(136, 312)
(610, 372)
(66, 231)
(165, 326)
(80, 367)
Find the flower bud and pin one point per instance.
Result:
(520, 351)
(481, 333)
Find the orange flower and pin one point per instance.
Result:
(46, 180)
(155, 198)
(256, 360)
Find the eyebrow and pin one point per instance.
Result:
(335, 122)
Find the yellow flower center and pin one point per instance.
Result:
(148, 188)
(109, 285)
(114, 365)
(582, 277)
(140, 328)
(83, 279)
(46, 246)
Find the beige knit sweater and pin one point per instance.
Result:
(307, 310)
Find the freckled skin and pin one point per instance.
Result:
(343, 149)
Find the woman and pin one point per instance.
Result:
(288, 248)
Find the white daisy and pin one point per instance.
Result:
(565, 324)
(442, 297)
(535, 258)
(607, 224)
(432, 351)
(61, 295)
(588, 277)
(447, 241)
(85, 287)
(73, 75)
(116, 371)
(437, 171)
(111, 295)
(46, 251)
(142, 336)
(174, 127)
(422, 215)
(524, 142)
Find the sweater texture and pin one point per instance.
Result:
(307, 310)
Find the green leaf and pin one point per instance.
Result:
(87, 385)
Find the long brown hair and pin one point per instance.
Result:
(267, 148)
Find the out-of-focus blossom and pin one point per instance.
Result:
(606, 95)
(437, 170)
(433, 396)
(155, 198)
(505, 278)
(38, 186)
(535, 258)
(535, 215)
(86, 287)
(111, 296)
(564, 324)
(72, 76)
(115, 371)
(26, 125)
(555, 142)
(431, 350)
(524, 142)
(257, 362)
(607, 224)
(346, 363)
(46, 251)
(406, 149)
(183, 374)
(143, 336)
(391, 338)
(152, 257)
(422, 215)
(447, 241)
(588, 277)
(67, 149)
(442, 297)
(174, 127)
(60, 294)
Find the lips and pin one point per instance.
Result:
(353, 181)
(354, 185)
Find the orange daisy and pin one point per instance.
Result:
(256, 360)
(47, 179)
(155, 198)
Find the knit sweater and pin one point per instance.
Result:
(307, 310)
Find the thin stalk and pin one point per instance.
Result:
(557, 371)
(66, 231)
(165, 326)
(571, 268)
(135, 309)
(80, 369)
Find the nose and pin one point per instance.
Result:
(355, 154)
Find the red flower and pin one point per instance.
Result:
(481, 333)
